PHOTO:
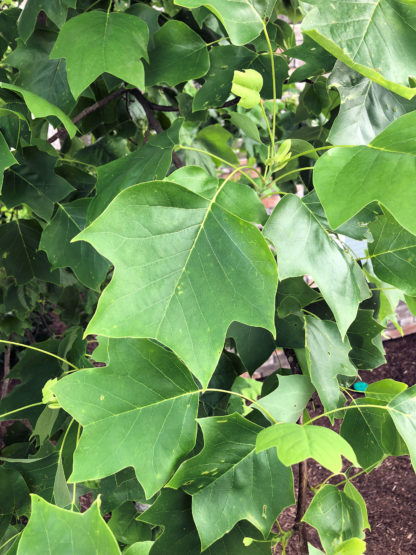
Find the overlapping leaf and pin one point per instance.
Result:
(56, 10)
(376, 38)
(287, 401)
(245, 486)
(168, 245)
(365, 338)
(6, 157)
(97, 42)
(304, 247)
(403, 412)
(153, 391)
(348, 179)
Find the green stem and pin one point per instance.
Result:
(273, 134)
(10, 539)
(290, 173)
(349, 407)
(40, 351)
(266, 119)
(74, 485)
(2, 416)
(266, 412)
(312, 150)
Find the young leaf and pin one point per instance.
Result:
(97, 42)
(381, 41)
(177, 54)
(154, 390)
(247, 85)
(69, 219)
(245, 486)
(336, 516)
(180, 240)
(286, 402)
(385, 390)
(304, 247)
(403, 413)
(243, 20)
(296, 443)
(52, 530)
(348, 179)
(41, 108)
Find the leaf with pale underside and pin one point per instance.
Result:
(297, 443)
(243, 19)
(377, 38)
(143, 388)
(97, 42)
(348, 179)
(245, 486)
(304, 247)
(168, 245)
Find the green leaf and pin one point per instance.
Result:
(125, 527)
(366, 108)
(52, 530)
(353, 546)
(403, 413)
(247, 125)
(215, 138)
(286, 402)
(19, 241)
(354, 494)
(336, 516)
(177, 54)
(39, 74)
(14, 493)
(56, 10)
(173, 513)
(41, 108)
(184, 238)
(327, 358)
(376, 38)
(247, 85)
(245, 486)
(365, 337)
(348, 179)
(139, 548)
(149, 162)
(304, 247)
(154, 390)
(254, 345)
(297, 443)
(385, 389)
(97, 42)
(118, 489)
(242, 19)
(6, 157)
(292, 295)
(69, 219)
(317, 60)
(393, 253)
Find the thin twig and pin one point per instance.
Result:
(6, 371)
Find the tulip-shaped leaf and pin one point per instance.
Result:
(403, 413)
(178, 257)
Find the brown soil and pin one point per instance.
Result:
(390, 490)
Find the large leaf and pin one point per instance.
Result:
(172, 511)
(287, 401)
(177, 54)
(393, 253)
(365, 337)
(19, 242)
(69, 219)
(245, 486)
(297, 443)
(41, 108)
(14, 493)
(403, 413)
(35, 183)
(152, 161)
(168, 246)
(304, 247)
(243, 19)
(327, 358)
(97, 42)
(39, 74)
(153, 391)
(336, 516)
(348, 179)
(52, 530)
(366, 108)
(377, 38)
(6, 157)
(56, 10)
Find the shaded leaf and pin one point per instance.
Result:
(154, 390)
(287, 401)
(317, 60)
(304, 247)
(254, 345)
(380, 42)
(97, 42)
(403, 413)
(367, 350)
(353, 492)
(292, 295)
(245, 486)
(52, 530)
(119, 488)
(215, 139)
(179, 239)
(125, 527)
(56, 10)
(6, 157)
(297, 443)
(14, 493)
(348, 179)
